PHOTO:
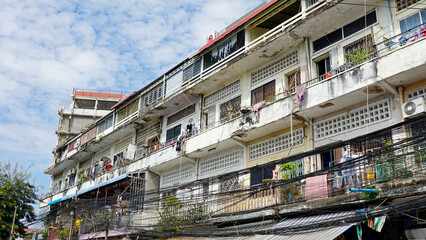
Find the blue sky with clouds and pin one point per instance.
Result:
(47, 47)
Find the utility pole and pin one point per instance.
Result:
(13, 223)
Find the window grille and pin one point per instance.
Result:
(293, 80)
(105, 124)
(181, 114)
(222, 93)
(403, 4)
(276, 144)
(416, 94)
(275, 67)
(229, 184)
(153, 95)
(177, 176)
(192, 70)
(230, 109)
(363, 45)
(221, 162)
(298, 170)
(354, 119)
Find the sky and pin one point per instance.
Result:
(49, 47)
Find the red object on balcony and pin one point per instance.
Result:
(415, 36)
(423, 32)
(328, 75)
(109, 166)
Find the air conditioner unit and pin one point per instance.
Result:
(413, 107)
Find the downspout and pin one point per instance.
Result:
(389, 18)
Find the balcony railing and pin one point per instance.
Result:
(400, 40)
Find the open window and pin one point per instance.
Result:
(258, 174)
(323, 65)
(293, 80)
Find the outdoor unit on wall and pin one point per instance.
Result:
(413, 107)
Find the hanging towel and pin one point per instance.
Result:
(300, 93)
(257, 107)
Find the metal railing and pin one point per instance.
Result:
(402, 39)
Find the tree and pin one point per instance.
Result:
(15, 190)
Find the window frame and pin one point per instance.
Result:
(179, 126)
(263, 92)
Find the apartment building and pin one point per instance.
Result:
(284, 113)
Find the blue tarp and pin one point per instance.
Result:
(123, 176)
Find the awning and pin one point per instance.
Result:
(123, 176)
(324, 227)
(312, 224)
(323, 234)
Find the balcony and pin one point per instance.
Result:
(394, 168)
(246, 127)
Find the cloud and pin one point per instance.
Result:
(48, 47)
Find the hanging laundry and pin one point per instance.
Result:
(300, 93)
(257, 107)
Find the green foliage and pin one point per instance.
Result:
(357, 57)
(287, 170)
(370, 195)
(177, 215)
(44, 234)
(64, 233)
(15, 190)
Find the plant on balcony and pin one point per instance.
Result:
(287, 170)
(82, 175)
(357, 57)
(370, 195)
(177, 215)
(289, 191)
(64, 233)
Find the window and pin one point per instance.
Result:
(293, 80)
(84, 104)
(262, 172)
(105, 124)
(403, 4)
(225, 49)
(173, 132)
(230, 109)
(192, 70)
(263, 93)
(210, 117)
(181, 114)
(359, 24)
(407, 24)
(327, 40)
(323, 66)
(345, 31)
